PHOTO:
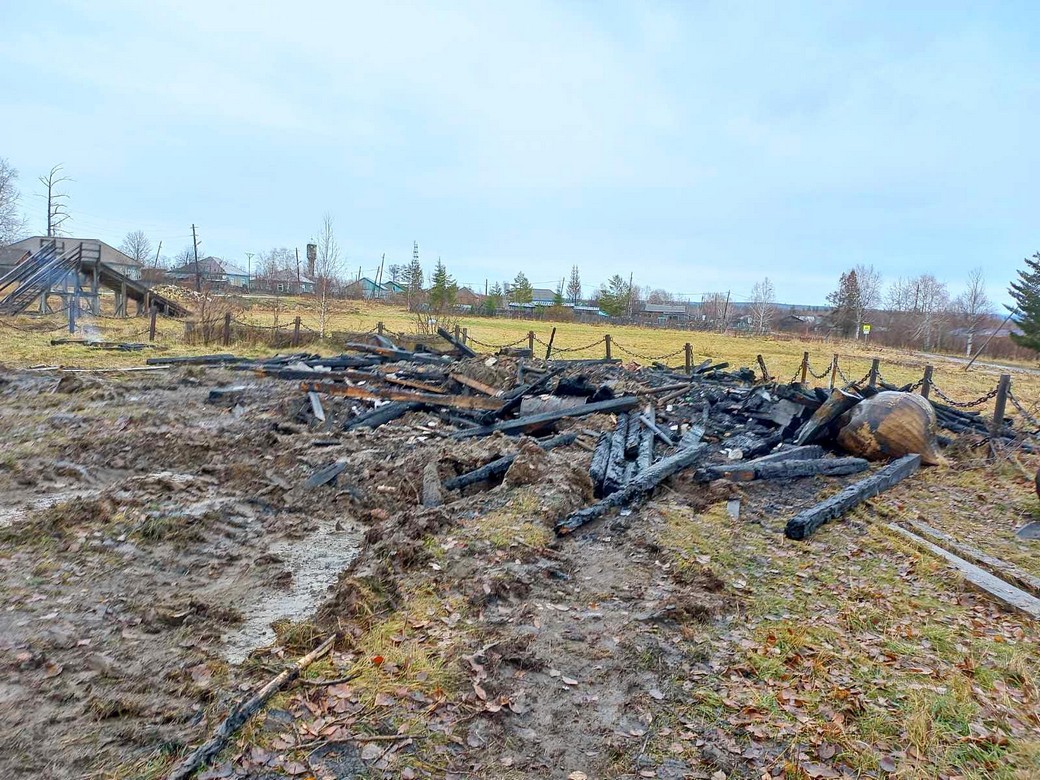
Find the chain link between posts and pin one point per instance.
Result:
(1027, 416)
(577, 349)
(823, 374)
(627, 351)
(480, 343)
(963, 404)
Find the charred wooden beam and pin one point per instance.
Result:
(600, 461)
(381, 415)
(632, 437)
(381, 394)
(325, 474)
(414, 384)
(615, 476)
(657, 430)
(398, 354)
(501, 465)
(462, 348)
(802, 525)
(645, 455)
(786, 469)
(196, 360)
(316, 408)
(535, 421)
(637, 489)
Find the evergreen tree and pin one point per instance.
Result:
(412, 274)
(493, 301)
(613, 297)
(1026, 311)
(443, 288)
(574, 286)
(558, 297)
(846, 303)
(523, 291)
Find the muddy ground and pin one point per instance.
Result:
(161, 555)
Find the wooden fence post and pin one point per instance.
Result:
(875, 369)
(465, 335)
(73, 303)
(688, 357)
(151, 322)
(227, 328)
(926, 382)
(606, 345)
(762, 365)
(530, 341)
(458, 332)
(189, 331)
(552, 338)
(1002, 395)
(834, 371)
(296, 332)
(805, 367)
(379, 328)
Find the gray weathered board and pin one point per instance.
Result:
(977, 577)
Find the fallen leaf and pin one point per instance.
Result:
(481, 693)
(377, 660)
(887, 764)
(371, 751)
(577, 776)
(815, 770)
(384, 700)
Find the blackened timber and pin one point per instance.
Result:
(638, 488)
(513, 398)
(535, 421)
(787, 469)
(195, 360)
(600, 461)
(462, 348)
(615, 476)
(645, 456)
(476, 384)
(381, 415)
(316, 408)
(325, 475)
(802, 525)
(501, 465)
(382, 394)
(398, 354)
(632, 437)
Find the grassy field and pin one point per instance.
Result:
(23, 345)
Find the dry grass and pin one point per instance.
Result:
(782, 354)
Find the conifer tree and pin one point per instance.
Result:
(574, 286)
(523, 291)
(443, 288)
(1026, 294)
(846, 303)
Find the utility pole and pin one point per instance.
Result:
(379, 277)
(298, 288)
(630, 276)
(198, 274)
(157, 251)
(725, 312)
(249, 269)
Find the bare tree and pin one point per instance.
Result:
(918, 309)
(869, 281)
(11, 221)
(326, 268)
(716, 309)
(137, 246)
(973, 306)
(763, 305)
(57, 210)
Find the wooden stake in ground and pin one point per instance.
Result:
(203, 754)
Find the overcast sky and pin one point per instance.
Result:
(699, 145)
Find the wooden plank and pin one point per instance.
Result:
(414, 384)
(635, 490)
(802, 525)
(384, 394)
(462, 348)
(475, 384)
(1006, 571)
(658, 431)
(645, 455)
(316, 406)
(1008, 595)
(535, 421)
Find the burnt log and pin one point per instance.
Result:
(632, 437)
(383, 394)
(325, 475)
(462, 348)
(636, 490)
(615, 476)
(600, 461)
(839, 402)
(786, 469)
(645, 456)
(536, 421)
(648, 421)
(380, 415)
(802, 525)
(500, 466)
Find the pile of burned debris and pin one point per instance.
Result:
(642, 423)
